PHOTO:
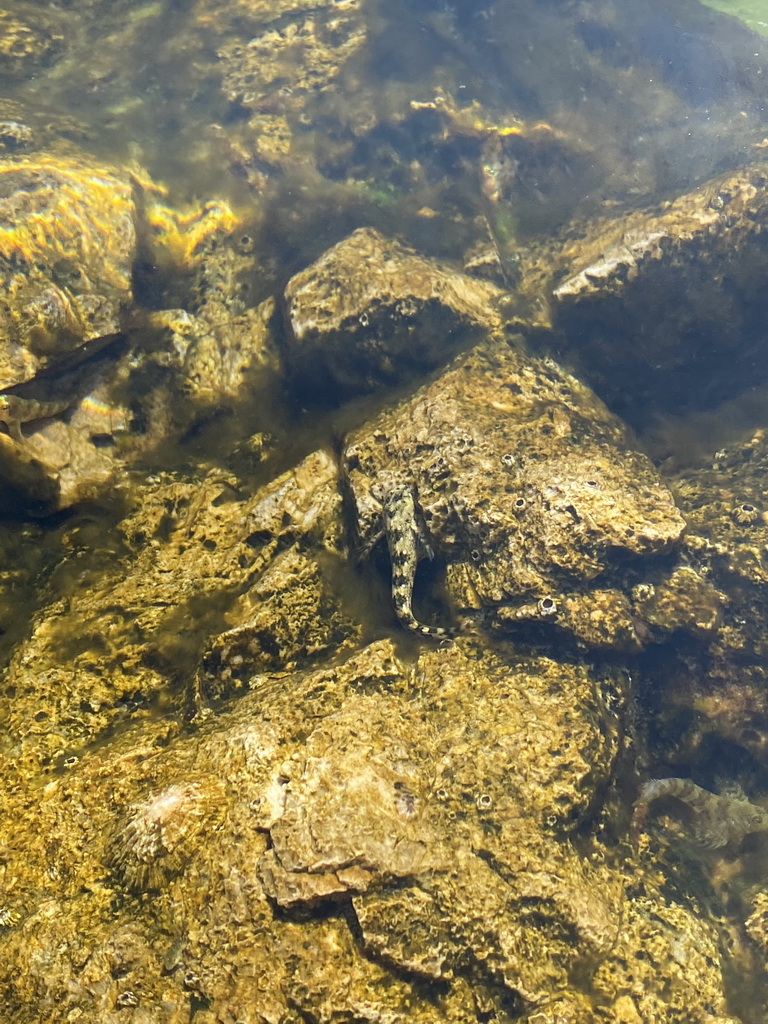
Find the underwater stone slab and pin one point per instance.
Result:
(370, 310)
(530, 488)
(510, 913)
(105, 651)
(664, 309)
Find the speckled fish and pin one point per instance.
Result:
(407, 539)
(59, 385)
(718, 820)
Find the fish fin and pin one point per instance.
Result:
(711, 834)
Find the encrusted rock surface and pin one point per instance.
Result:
(106, 648)
(402, 807)
(438, 821)
(234, 788)
(370, 311)
(290, 615)
(28, 41)
(725, 502)
(697, 261)
(528, 484)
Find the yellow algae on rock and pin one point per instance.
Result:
(52, 209)
(67, 247)
(178, 234)
(21, 42)
(71, 233)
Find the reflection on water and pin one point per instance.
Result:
(752, 14)
(225, 752)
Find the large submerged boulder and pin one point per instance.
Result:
(529, 487)
(670, 299)
(371, 311)
(408, 820)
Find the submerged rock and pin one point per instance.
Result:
(106, 645)
(67, 243)
(530, 489)
(381, 832)
(289, 617)
(371, 311)
(670, 299)
(407, 819)
(714, 694)
(28, 44)
(286, 58)
(73, 232)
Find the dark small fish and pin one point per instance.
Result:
(60, 385)
(717, 820)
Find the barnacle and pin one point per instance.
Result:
(545, 607)
(745, 514)
(158, 836)
(8, 918)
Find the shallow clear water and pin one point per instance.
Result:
(452, 126)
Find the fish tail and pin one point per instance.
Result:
(409, 621)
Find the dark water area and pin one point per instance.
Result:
(304, 216)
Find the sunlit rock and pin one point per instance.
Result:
(74, 229)
(405, 821)
(529, 487)
(200, 567)
(370, 311)
(67, 241)
(670, 299)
